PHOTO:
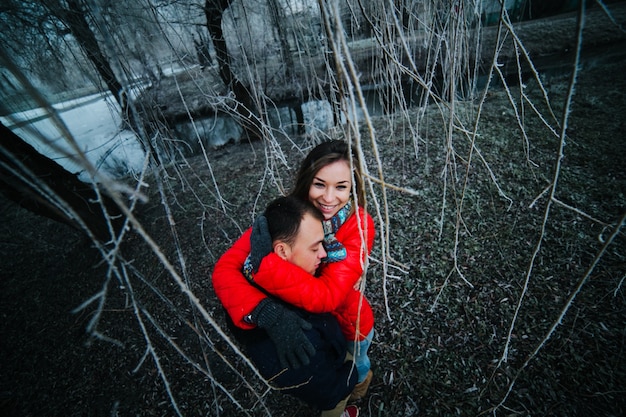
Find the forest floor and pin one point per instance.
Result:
(439, 340)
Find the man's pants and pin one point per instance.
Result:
(327, 380)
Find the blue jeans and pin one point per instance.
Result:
(359, 351)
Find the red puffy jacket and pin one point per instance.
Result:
(333, 291)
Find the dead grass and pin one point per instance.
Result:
(438, 354)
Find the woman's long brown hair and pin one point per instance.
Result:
(324, 154)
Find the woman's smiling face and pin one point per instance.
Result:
(330, 189)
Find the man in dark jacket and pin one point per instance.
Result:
(316, 371)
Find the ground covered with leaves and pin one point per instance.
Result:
(445, 297)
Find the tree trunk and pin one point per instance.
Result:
(74, 18)
(278, 19)
(249, 113)
(24, 174)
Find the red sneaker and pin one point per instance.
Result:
(351, 411)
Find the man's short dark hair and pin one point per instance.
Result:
(284, 216)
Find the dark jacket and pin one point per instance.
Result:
(325, 381)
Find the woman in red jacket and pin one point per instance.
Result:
(330, 179)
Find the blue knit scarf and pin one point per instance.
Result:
(248, 270)
(335, 251)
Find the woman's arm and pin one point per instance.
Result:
(232, 288)
(241, 299)
(324, 293)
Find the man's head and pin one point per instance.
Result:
(296, 230)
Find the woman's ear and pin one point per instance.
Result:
(282, 249)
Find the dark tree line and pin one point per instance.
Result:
(24, 169)
(41, 27)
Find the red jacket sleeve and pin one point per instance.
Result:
(232, 288)
(326, 292)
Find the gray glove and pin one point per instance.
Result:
(286, 329)
(260, 242)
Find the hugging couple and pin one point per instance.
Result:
(290, 285)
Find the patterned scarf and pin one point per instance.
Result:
(335, 251)
(248, 270)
